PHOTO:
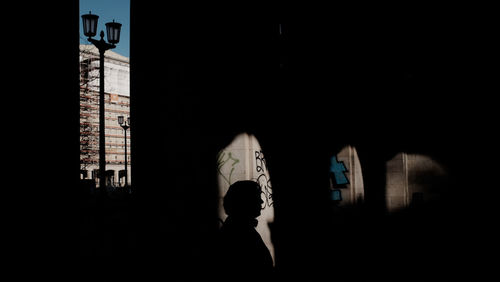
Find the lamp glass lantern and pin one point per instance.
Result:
(113, 32)
(120, 120)
(90, 24)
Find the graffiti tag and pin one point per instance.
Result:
(224, 158)
(262, 179)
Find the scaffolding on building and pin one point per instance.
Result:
(89, 110)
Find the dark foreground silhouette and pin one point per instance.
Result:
(243, 255)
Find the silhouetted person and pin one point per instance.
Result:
(243, 254)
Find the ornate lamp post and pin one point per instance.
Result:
(113, 33)
(125, 126)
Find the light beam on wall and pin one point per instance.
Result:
(413, 179)
(244, 159)
(346, 177)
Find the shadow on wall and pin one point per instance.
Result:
(417, 227)
(244, 159)
(416, 189)
(411, 180)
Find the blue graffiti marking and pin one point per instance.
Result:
(336, 195)
(337, 169)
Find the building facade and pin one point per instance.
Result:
(117, 103)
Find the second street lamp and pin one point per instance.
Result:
(113, 32)
(125, 126)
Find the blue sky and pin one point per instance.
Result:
(109, 10)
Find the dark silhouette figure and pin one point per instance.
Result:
(243, 254)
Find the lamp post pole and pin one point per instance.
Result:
(126, 167)
(102, 46)
(113, 30)
(125, 126)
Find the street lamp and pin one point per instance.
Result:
(125, 126)
(113, 32)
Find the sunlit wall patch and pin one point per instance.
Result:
(413, 180)
(244, 159)
(346, 178)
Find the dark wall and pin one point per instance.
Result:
(40, 133)
(385, 87)
(414, 84)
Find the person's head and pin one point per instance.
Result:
(243, 199)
